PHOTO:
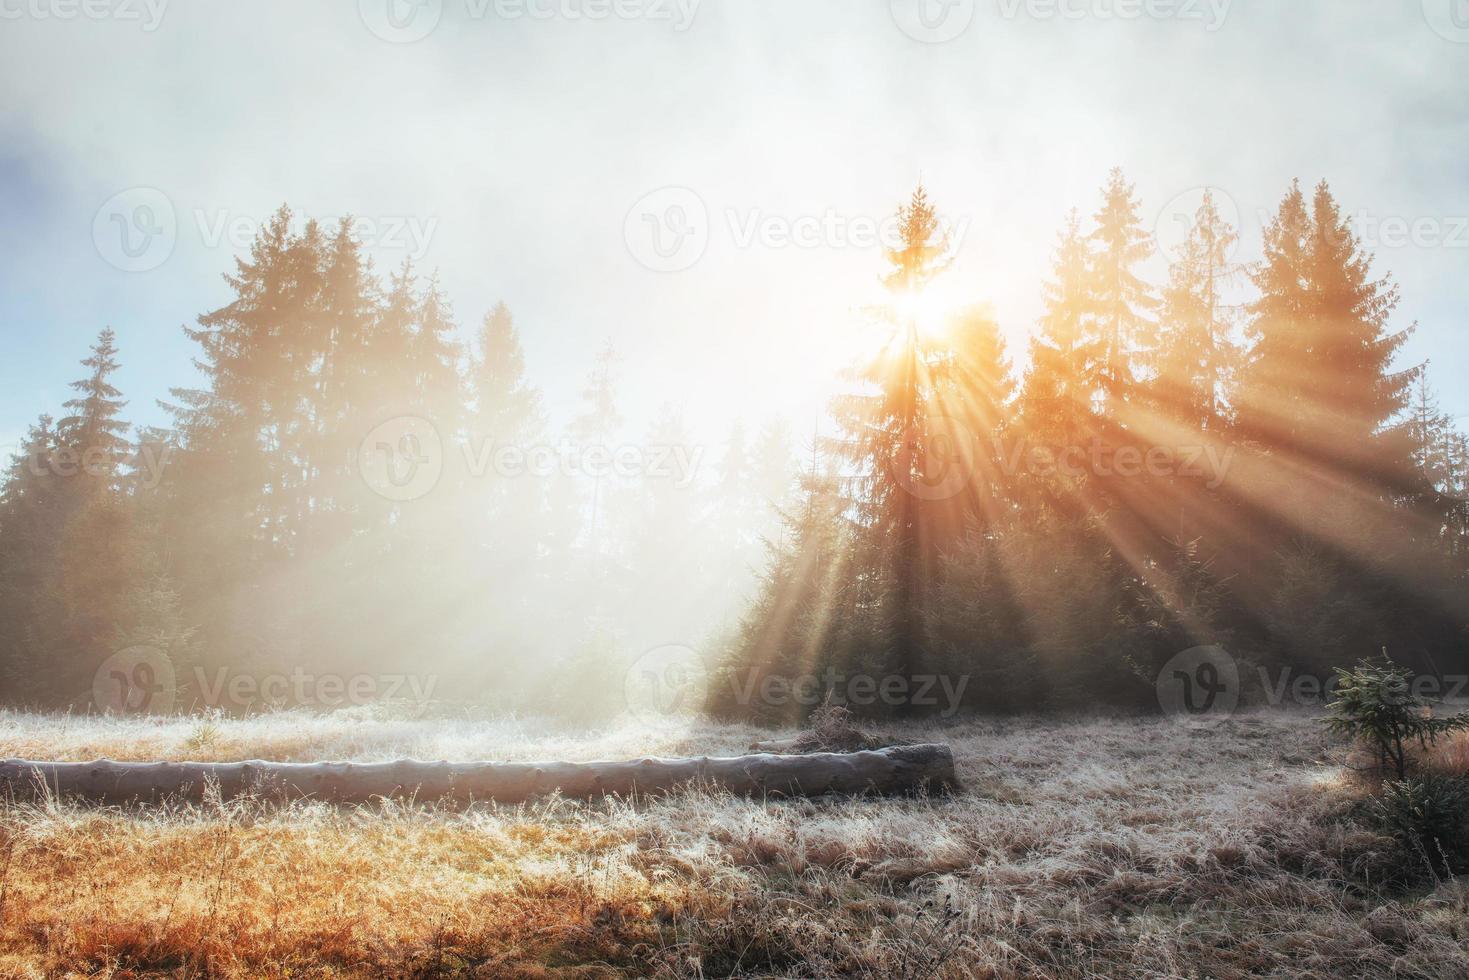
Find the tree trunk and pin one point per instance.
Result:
(901, 769)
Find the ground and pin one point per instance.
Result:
(1076, 849)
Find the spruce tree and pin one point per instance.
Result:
(92, 436)
(975, 394)
(888, 440)
(1056, 399)
(1319, 382)
(32, 519)
(1121, 300)
(98, 552)
(1196, 353)
(506, 408)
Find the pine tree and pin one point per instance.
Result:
(344, 394)
(1427, 430)
(975, 393)
(97, 553)
(1122, 301)
(808, 610)
(92, 436)
(1319, 381)
(1322, 406)
(1456, 488)
(888, 441)
(434, 357)
(774, 464)
(1196, 353)
(239, 435)
(506, 408)
(506, 413)
(32, 520)
(1057, 395)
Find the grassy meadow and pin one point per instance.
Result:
(1106, 847)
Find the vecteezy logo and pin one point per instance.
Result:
(1177, 218)
(932, 21)
(136, 680)
(668, 229)
(402, 459)
(1449, 19)
(936, 459)
(666, 681)
(1199, 685)
(401, 21)
(135, 230)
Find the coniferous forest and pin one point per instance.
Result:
(1236, 456)
(909, 490)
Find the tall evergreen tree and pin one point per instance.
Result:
(345, 391)
(506, 408)
(888, 441)
(93, 433)
(1319, 382)
(96, 559)
(434, 358)
(1057, 396)
(33, 516)
(975, 393)
(1196, 353)
(1122, 301)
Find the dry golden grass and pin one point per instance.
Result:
(1448, 756)
(1094, 848)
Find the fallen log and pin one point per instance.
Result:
(897, 770)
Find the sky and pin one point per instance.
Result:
(699, 183)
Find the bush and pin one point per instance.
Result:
(1429, 819)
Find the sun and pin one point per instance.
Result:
(925, 309)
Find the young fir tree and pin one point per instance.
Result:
(1122, 301)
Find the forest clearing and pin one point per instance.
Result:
(914, 490)
(1104, 847)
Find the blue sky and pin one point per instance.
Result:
(511, 153)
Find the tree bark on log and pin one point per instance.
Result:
(897, 770)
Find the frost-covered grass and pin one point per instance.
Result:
(1086, 848)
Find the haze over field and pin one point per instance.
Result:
(919, 489)
(506, 148)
